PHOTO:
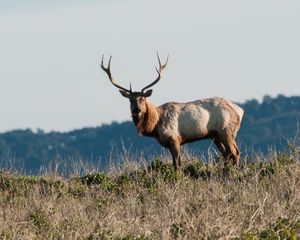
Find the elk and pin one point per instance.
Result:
(174, 124)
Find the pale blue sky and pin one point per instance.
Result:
(50, 54)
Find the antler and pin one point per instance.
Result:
(161, 68)
(107, 70)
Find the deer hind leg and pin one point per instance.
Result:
(220, 146)
(231, 150)
(175, 151)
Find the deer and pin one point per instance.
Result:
(174, 124)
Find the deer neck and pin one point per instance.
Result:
(147, 122)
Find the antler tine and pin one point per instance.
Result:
(107, 70)
(161, 68)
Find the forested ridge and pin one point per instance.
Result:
(270, 123)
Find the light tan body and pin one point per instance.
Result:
(174, 124)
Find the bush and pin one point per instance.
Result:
(257, 200)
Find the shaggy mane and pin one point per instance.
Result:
(145, 125)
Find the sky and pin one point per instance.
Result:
(50, 54)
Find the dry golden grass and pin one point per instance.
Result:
(205, 201)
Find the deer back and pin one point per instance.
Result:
(198, 119)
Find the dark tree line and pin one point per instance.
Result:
(269, 123)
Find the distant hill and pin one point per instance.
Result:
(269, 123)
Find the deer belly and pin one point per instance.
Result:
(193, 123)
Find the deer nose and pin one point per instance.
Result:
(137, 111)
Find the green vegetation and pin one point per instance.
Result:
(258, 200)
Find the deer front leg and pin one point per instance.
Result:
(175, 151)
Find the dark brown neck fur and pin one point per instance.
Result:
(146, 123)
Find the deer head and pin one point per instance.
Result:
(137, 99)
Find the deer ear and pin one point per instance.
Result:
(124, 93)
(148, 93)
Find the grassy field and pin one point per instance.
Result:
(258, 200)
